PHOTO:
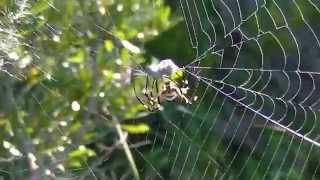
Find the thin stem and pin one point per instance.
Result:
(127, 151)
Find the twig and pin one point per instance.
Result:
(127, 151)
(123, 142)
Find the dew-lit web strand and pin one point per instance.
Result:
(211, 24)
(310, 92)
(176, 157)
(240, 145)
(313, 33)
(291, 33)
(277, 149)
(304, 113)
(164, 140)
(281, 71)
(150, 163)
(206, 170)
(219, 16)
(259, 113)
(235, 133)
(155, 139)
(204, 93)
(194, 61)
(315, 171)
(199, 128)
(184, 163)
(163, 143)
(285, 157)
(189, 148)
(241, 42)
(264, 155)
(271, 98)
(281, 138)
(246, 134)
(293, 96)
(193, 44)
(201, 27)
(274, 154)
(297, 152)
(193, 28)
(230, 13)
(253, 148)
(204, 118)
(180, 141)
(259, 137)
(16, 44)
(208, 133)
(239, 9)
(307, 159)
(197, 107)
(234, 64)
(196, 145)
(225, 128)
(318, 10)
(170, 144)
(306, 22)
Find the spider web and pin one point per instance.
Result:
(257, 77)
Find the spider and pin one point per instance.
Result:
(171, 91)
(167, 74)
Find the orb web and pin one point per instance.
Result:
(257, 78)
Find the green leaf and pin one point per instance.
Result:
(39, 6)
(136, 128)
(82, 151)
(108, 45)
(78, 57)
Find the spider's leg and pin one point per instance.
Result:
(182, 95)
(178, 93)
(155, 83)
(147, 92)
(139, 99)
(152, 109)
(152, 87)
(150, 96)
(147, 84)
(145, 104)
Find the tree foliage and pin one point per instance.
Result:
(66, 78)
